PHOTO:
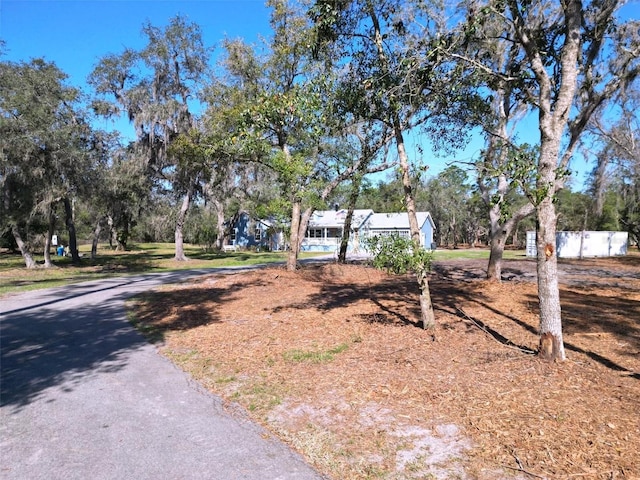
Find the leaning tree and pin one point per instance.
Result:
(498, 174)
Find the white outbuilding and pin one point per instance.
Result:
(584, 244)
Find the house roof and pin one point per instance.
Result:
(336, 218)
(389, 221)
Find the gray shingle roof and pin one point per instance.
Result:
(335, 218)
(388, 221)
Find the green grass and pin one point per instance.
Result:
(155, 257)
(140, 258)
(314, 356)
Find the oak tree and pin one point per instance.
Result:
(575, 56)
(158, 88)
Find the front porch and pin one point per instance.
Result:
(322, 239)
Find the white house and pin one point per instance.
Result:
(398, 224)
(324, 232)
(326, 226)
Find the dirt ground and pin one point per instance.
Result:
(331, 359)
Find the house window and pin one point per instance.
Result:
(232, 237)
(315, 233)
(334, 233)
(258, 234)
(400, 233)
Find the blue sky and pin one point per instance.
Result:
(76, 33)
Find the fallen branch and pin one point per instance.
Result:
(519, 469)
(484, 329)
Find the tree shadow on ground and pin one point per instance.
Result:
(474, 272)
(184, 308)
(588, 312)
(571, 325)
(450, 296)
(393, 297)
(59, 340)
(47, 347)
(582, 313)
(630, 260)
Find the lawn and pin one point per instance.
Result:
(140, 258)
(154, 257)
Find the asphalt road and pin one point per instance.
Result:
(84, 396)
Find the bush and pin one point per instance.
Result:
(398, 255)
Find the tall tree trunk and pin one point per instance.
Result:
(71, 229)
(222, 233)
(356, 184)
(497, 156)
(299, 223)
(294, 237)
(551, 342)
(24, 248)
(554, 104)
(47, 241)
(453, 226)
(500, 232)
(599, 185)
(346, 234)
(426, 306)
(96, 238)
(113, 234)
(182, 216)
(494, 269)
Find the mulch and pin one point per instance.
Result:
(331, 359)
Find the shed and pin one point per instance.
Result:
(584, 244)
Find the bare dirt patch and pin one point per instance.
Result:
(331, 359)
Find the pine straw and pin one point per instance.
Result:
(330, 359)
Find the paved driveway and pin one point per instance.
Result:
(83, 396)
